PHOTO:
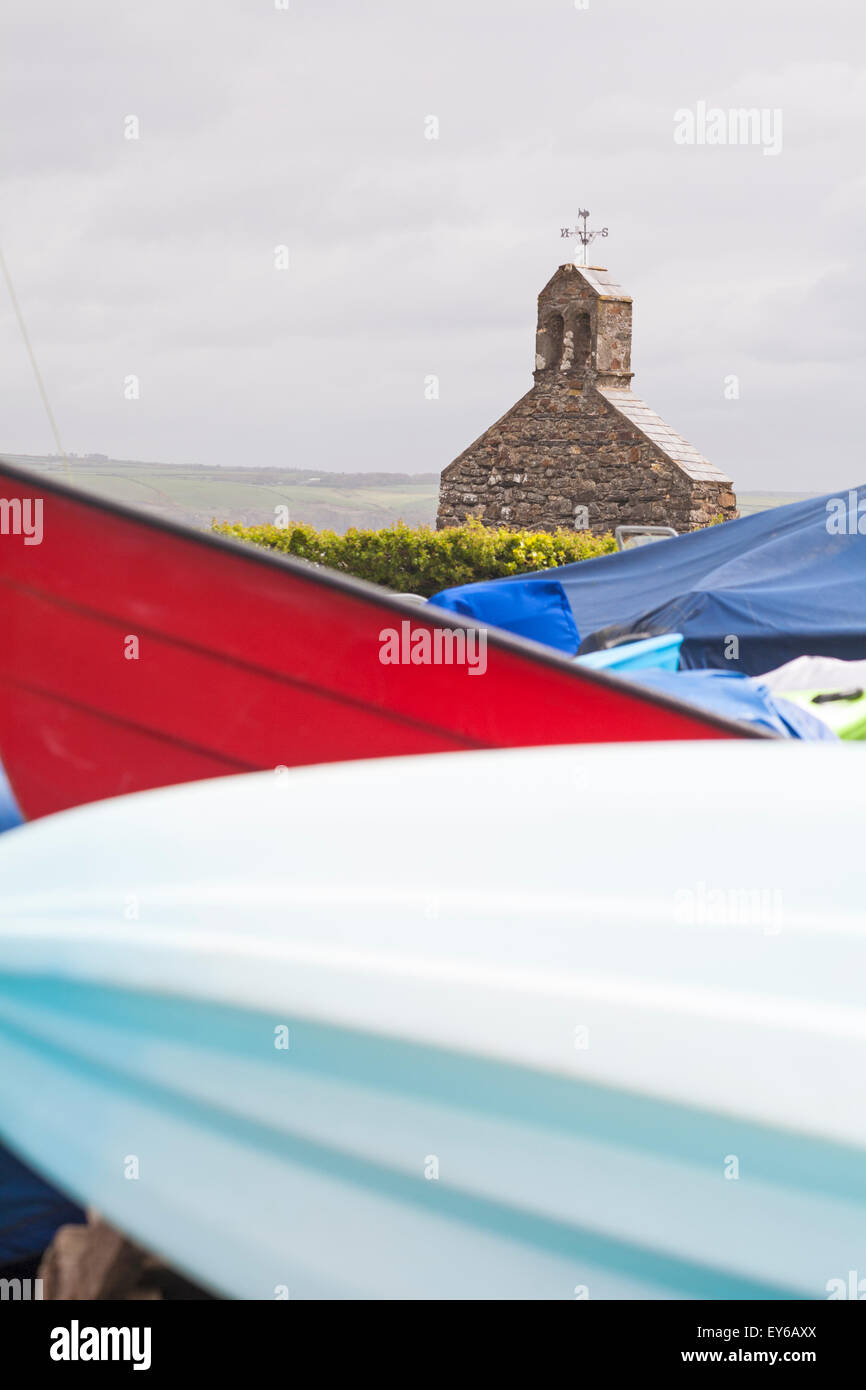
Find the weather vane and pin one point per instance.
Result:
(586, 238)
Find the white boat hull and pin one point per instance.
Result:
(560, 1023)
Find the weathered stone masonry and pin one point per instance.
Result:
(580, 438)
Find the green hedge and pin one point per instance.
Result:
(420, 560)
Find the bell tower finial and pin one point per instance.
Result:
(584, 236)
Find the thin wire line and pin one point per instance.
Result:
(30, 353)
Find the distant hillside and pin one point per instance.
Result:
(198, 494)
(750, 502)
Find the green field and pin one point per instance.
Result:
(750, 502)
(251, 495)
(200, 495)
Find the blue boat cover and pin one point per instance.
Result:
(784, 583)
(30, 1210)
(533, 606)
(9, 813)
(736, 697)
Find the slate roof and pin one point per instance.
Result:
(683, 454)
(599, 278)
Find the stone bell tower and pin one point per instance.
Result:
(584, 329)
(580, 449)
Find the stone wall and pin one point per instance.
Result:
(563, 446)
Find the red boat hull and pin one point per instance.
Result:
(246, 660)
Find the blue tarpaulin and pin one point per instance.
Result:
(784, 582)
(9, 813)
(30, 1208)
(737, 697)
(534, 606)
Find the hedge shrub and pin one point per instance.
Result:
(420, 560)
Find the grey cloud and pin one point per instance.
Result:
(411, 256)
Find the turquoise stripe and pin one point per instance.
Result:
(383, 1064)
(639, 1123)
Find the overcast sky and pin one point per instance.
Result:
(408, 257)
